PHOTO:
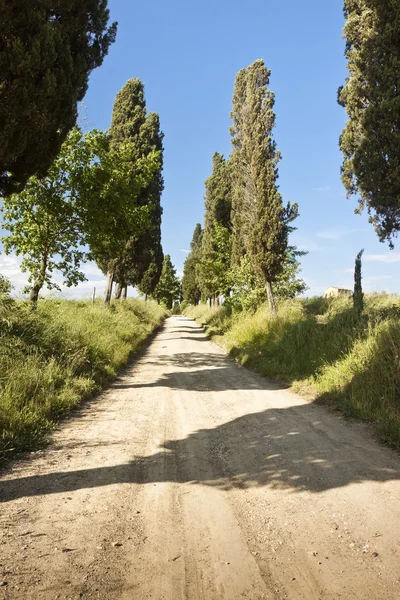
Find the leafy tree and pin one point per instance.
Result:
(44, 221)
(213, 268)
(260, 221)
(248, 288)
(358, 296)
(190, 289)
(168, 288)
(47, 51)
(62, 220)
(371, 138)
(130, 124)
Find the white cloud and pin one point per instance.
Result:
(323, 189)
(336, 234)
(304, 243)
(392, 257)
(184, 251)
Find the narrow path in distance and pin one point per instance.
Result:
(192, 478)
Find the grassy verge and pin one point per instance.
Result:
(52, 359)
(324, 351)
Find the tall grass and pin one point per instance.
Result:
(52, 359)
(324, 350)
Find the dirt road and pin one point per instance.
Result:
(192, 478)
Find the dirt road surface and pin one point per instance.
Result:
(193, 478)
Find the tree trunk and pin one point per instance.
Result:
(145, 297)
(271, 299)
(34, 294)
(109, 285)
(118, 291)
(124, 294)
(37, 286)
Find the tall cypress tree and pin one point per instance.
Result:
(213, 268)
(371, 138)
(260, 220)
(358, 296)
(131, 125)
(47, 51)
(190, 288)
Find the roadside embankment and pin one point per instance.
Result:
(53, 358)
(324, 350)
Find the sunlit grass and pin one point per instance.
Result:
(325, 351)
(52, 359)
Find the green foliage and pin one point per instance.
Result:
(168, 288)
(142, 256)
(260, 221)
(213, 270)
(53, 358)
(358, 296)
(190, 288)
(248, 288)
(325, 350)
(47, 52)
(45, 220)
(371, 138)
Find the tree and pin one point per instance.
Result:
(358, 296)
(248, 287)
(47, 51)
(131, 125)
(213, 268)
(190, 289)
(260, 221)
(62, 220)
(168, 289)
(371, 138)
(44, 221)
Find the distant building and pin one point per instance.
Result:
(334, 292)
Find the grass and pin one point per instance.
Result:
(52, 359)
(324, 351)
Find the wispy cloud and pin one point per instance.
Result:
(336, 234)
(304, 243)
(184, 251)
(323, 189)
(392, 257)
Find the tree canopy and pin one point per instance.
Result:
(47, 52)
(371, 138)
(260, 220)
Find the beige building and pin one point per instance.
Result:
(334, 292)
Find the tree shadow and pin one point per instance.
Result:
(299, 448)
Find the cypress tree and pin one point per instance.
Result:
(168, 288)
(260, 220)
(358, 296)
(371, 138)
(47, 51)
(213, 268)
(131, 124)
(190, 289)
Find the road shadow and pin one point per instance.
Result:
(287, 448)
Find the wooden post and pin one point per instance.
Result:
(94, 295)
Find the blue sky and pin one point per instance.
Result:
(187, 54)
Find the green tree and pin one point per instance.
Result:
(358, 296)
(58, 222)
(47, 51)
(131, 124)
(213, 268)
(248, 287)
(371, 138)
(168, 288)
(190, 288)
(260, 220)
